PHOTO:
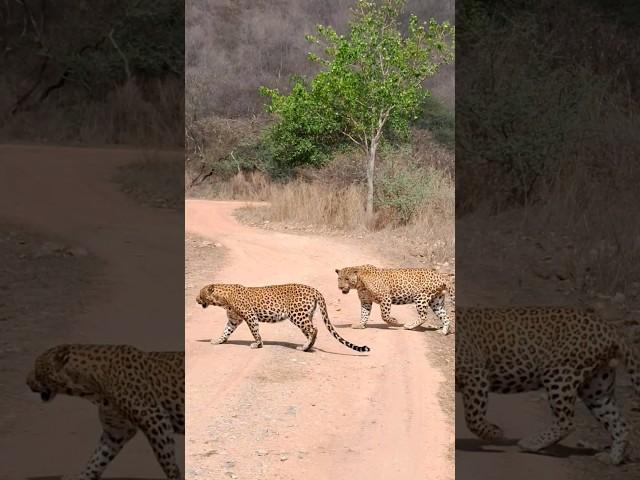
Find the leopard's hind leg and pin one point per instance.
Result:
(598, 394)
(305, 323)
(437, 305)
(385, 312)
(159, 431)
(423, 307)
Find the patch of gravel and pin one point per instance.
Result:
(201, 255)
(153, 182)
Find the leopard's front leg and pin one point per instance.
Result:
(365, 309)
(116, 432)
(475, 399)
(233, 320)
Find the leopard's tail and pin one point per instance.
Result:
(325, 316)
(631, 359)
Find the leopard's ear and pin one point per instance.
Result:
(338, 271)
(61, 356)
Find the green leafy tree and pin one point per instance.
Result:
(370, 85)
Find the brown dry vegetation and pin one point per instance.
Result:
(332, 200)
(116, 77)
(135, 113)
(563, 201)
(259, 43)
(303, 206)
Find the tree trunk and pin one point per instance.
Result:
(371, 163)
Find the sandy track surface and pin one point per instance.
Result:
(278, 413)
(68, 193)
(520, 415)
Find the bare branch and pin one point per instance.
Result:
(125, 61)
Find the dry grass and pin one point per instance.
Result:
(580, 239)
(153, 115)
(332, 199)
(150, 114)
(252, 186)
(593, 202)
(314, 206)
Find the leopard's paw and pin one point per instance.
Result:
(393, 322)
(530, 444)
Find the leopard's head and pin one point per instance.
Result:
(54, 372)
(214, 294)
(348, 277)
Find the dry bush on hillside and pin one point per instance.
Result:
(319, 206)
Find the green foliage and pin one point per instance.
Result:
(370, 83)
(260, 154)
(306, 130)
(405, 190)
(439, 120)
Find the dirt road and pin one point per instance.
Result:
(136, 299)
(483, 280)
(278, 413)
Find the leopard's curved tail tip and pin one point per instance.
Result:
(332, 330)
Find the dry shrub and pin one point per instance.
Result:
(593, 204)
(251, 186)
(332, 197)
(430, 154)
(315, 204)
(136, 113)
(211, 148)
(429, 236)
(318, 204)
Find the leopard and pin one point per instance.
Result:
(134, 390)
(568, 352)
(398, 286)
(269, 304)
